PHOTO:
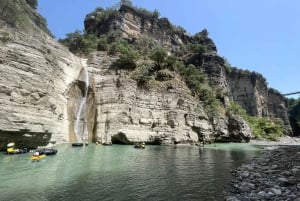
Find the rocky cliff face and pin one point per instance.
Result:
(42, 85)
(133, 24)
(36, 74)
(164, 114)
(248, 89)
(277, 108)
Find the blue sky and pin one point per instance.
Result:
(261, 36)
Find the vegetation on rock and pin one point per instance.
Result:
(294, 114)
(151, 62)
(262, 127)
(19, 14)
(33, 3)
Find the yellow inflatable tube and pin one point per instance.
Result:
(36, 158)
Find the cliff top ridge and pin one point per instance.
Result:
(22, 15)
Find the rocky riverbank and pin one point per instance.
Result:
(274, 175)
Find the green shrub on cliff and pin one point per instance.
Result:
(196, 48)
(294, 114)
(32, 3)
(194, 79)
(126, 2)
(80, 43)
(266, 128)
(144, 45)
(237, 109)
(143, 75)
(102, 44)
(99, 16)
(261, 127)
(19, 14)
(158, 55)
(127, 57)
(197, 82)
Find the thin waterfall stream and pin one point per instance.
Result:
(80, 126)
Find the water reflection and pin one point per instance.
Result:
(121, 173)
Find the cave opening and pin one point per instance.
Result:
(120, 138)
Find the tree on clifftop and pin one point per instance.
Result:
(126, 3)
(32, 3)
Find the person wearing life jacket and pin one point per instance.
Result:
(36, 154)
(11, 148)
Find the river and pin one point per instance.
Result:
(120, 172)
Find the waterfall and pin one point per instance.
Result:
(80, 126)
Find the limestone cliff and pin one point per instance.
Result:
(248, 89)
(164, 114)
(133, 24)
(42, 85)
(277, 108)
(36, 74)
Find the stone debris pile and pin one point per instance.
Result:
(274, 175)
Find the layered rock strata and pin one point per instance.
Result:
(41, 85)
(165, 114)
(35, 73)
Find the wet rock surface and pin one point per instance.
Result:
(274, 175)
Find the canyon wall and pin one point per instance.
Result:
(42, 84)
(36, 72)
(162, 114)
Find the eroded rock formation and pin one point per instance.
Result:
(165, 114)
(35, 74)
(42, 84)
(86, 118)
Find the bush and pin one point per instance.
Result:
(126, 2)
(127, 58)
(102, 44)
(158, 55)
(155, 14)
(118, 45)
(194, 78)
(144, 45)
(237, 109)
(79, 43)
(170, 62)
(261, 127)
(32, 3)
(197, 48)
(294, 115)
(142, 75)
(100, 15)
(266, 128)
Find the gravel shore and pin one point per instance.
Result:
(273, 175)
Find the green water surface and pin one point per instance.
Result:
(120, 172)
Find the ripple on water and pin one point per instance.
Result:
(121, 173)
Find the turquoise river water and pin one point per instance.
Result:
(120, 172)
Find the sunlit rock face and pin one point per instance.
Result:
(277, 107)
(134, 24)
(86, 119)
(165, 114)
(42, 86)
(250, 90)
(35, 76)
